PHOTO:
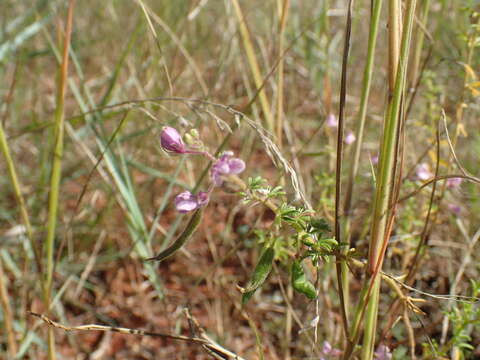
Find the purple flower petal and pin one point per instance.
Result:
(202, 198)
(350, 138)
(332, 121)
(329, 351)
(186, 202)
(226, 165)
(383, 353)
(456, 209)
(236, 165)
(171, 140)
(326, 348)
(423, 172)
(454, 182)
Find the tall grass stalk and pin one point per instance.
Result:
(58, 132)
(382, 221)
(360, 126)
(283, 14)
(382, 214)
(394, 37)
(253, 63)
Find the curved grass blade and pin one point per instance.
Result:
(182, 239)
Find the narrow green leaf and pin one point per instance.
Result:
(300, 282)
(260, 274)
(182, 239)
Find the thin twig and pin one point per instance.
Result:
(209, 345)
(341, 270)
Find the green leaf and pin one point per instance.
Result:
(300, 282)
(260, 274)
(182, 239)
(320, 225)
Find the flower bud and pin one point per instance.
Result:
(171, 140)
(194, 133)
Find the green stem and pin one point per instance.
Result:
(56, 173)
(383, 193)
(369, 298)
(362, 114)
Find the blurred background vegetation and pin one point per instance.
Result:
(132, 67)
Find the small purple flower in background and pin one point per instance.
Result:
(350, 138)
(383, 353)
(329, 351)
(226, 165)
(332, 121)
(171, 140)
(454, 182)
(456, 209)
(374, 159)
(186, 201)
(423, 172)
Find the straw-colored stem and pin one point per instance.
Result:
(283, 13)
(56, 172)
(252, 61)
(381, 213)
(394, 37)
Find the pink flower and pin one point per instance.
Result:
(329, 351)
(226, 165)
(350, 138)
(383, 353)
(423, 172)
(186, 201)
(332, 121)
(374, 159)
(454, 182)
(454, 208)
(171, 140)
